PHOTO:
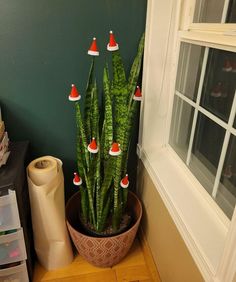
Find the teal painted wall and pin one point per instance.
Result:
(43, 46)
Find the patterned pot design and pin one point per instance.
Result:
(105, 251)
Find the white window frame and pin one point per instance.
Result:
(208, 234)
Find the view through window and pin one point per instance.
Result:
(203, 127)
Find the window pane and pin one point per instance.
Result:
(211, 11)
(181, 124)
(208, 141)
(219, 83)
(231, 16)
(226, 196)
(208, 11)
(189, 69)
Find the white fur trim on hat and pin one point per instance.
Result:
(78, 183)
(112, 48)
(93, 53)
(93, 151)
(74, 98)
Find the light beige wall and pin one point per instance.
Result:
(169, 251)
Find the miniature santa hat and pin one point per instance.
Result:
(227, 65)
(115, 149)
(74, 94)
(217, 90)
(92, 147)
(112, 45)
(93, 50)
(124, 183)
(137, 95)
(77, 180)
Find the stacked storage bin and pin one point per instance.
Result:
(12, 246)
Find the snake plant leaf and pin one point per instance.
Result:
(98, 186)
(107, 180)
(84, 203)
(120, 95)
(95, 112)
(81, 162)
(105, 212)
(90, 197)
(119, 76)
(81, 134)
(107, 132)
(127, 133)
(117, 202)
(135, 69)
(88, 101)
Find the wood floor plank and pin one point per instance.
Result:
(102, 276)
(78, 267)
(134, 256)
(132, 273)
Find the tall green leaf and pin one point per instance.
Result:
(95, 113)
(81, 144)
(107, 131)
(88, 102)
(135, 69)
(120, 95)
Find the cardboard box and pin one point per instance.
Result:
(4, 145)
(2, 129)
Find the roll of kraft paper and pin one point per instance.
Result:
(46, 190)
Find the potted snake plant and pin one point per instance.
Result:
(103, 216)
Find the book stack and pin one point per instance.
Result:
(4, 143)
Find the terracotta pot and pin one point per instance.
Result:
(105, 251)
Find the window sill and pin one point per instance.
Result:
(202, 225)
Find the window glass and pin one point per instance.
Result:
(212, 11)
(226, 195)
(181, 127)
(189, 69)
(219, 83)
(208, 141)
(231, 15)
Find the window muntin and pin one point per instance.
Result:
(202, 141)
(212, 11)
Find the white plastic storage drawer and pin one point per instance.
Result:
(12, 247)
(14, 274)
(9, 215)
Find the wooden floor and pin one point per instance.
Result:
(137, 266)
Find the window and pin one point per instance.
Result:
(188, 126)
(202, 129)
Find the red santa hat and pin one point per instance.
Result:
(92, 147)
(77, 180)
(137, 95)
(227, 65)
(115, 149)
(93, 50)
(74, 94)
(112, 45)
(124, 183)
